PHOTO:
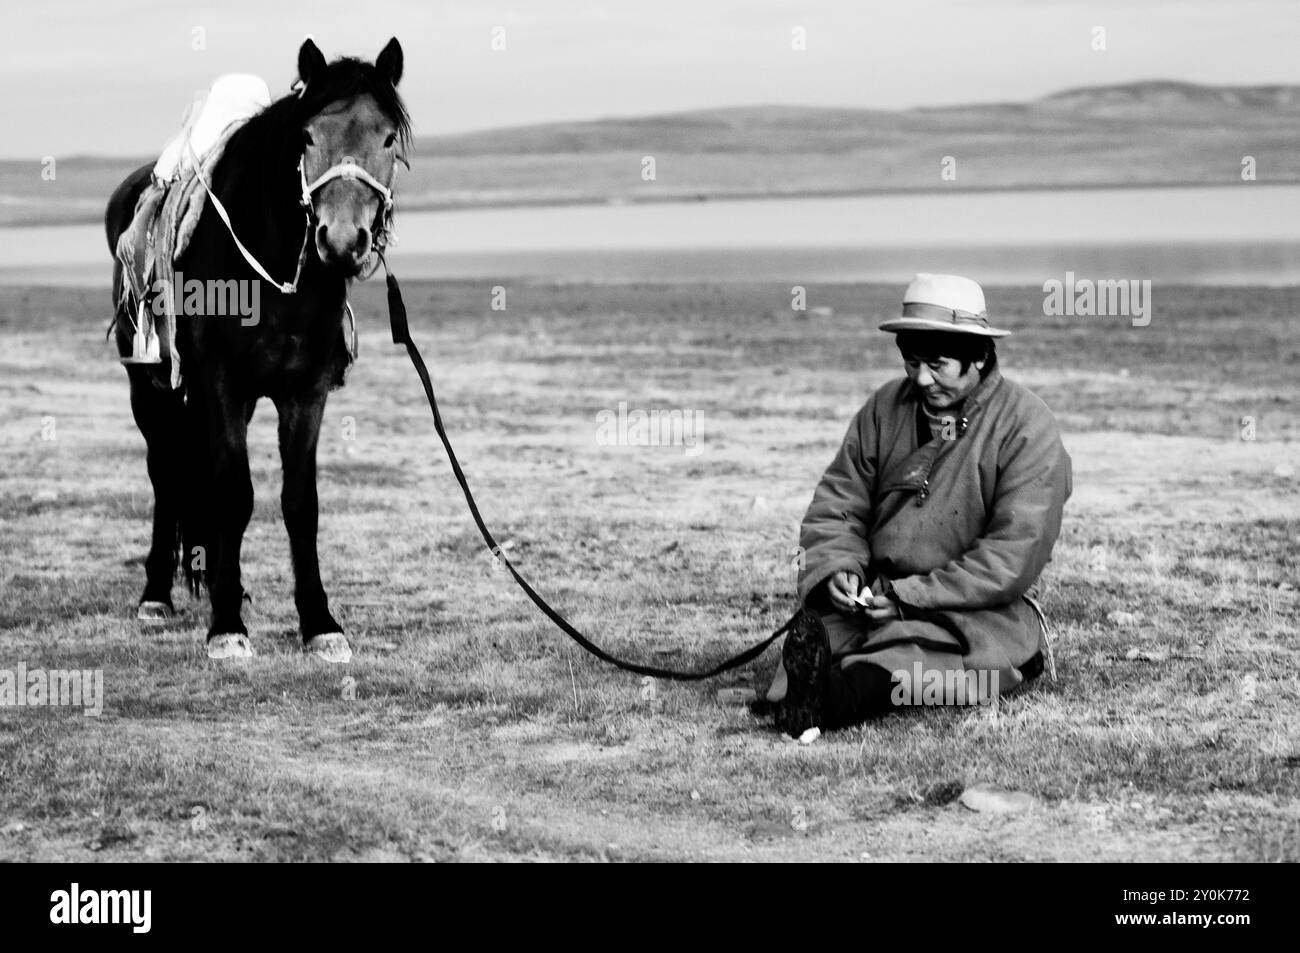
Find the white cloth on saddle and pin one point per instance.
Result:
(169, 209)
(233, 98)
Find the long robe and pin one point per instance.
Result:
(962, 527)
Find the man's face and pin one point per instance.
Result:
(941, 379)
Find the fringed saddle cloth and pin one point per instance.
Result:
(168, 211)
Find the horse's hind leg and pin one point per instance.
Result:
(160, 415)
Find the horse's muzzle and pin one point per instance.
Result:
(343, 246)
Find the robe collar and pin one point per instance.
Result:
(913, 473)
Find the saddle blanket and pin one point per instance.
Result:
(169, 210)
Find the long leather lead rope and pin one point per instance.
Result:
(402, 335)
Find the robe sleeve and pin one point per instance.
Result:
(833, 536)
(1033, 483)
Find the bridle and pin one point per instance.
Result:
(347, 169)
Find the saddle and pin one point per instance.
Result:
(168, 211)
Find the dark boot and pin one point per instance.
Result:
(807, 658)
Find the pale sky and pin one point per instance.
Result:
(114, 76)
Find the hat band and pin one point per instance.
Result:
(919, 309)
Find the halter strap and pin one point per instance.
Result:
(347, 169)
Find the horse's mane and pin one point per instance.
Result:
(345, 78)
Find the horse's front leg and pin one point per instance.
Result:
(300, 420)
(232, 508)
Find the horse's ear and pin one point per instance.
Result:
(311, 61)
(389, 62)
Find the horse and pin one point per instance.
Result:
(344, 129)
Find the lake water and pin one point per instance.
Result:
(1242, 234)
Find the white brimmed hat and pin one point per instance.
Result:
(944, 303)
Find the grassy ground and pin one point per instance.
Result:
(477, 732)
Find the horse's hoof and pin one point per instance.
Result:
(153, 613)
(229, 646)
(332, 647)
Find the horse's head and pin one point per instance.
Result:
(354, 133)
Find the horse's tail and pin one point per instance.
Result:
(118, 215)
(121, 205)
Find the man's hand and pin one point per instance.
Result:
(881, 609)
(842, 589)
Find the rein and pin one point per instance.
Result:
(402, 335)
(349, 170)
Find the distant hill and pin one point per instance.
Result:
(1147, 133)
(1161, 96)
(802, 129)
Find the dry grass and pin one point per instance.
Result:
(479, 732)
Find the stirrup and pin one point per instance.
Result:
(145, 346)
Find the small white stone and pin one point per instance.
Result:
(1249, 688)
(809, 736)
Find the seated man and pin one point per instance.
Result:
(928, 530)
